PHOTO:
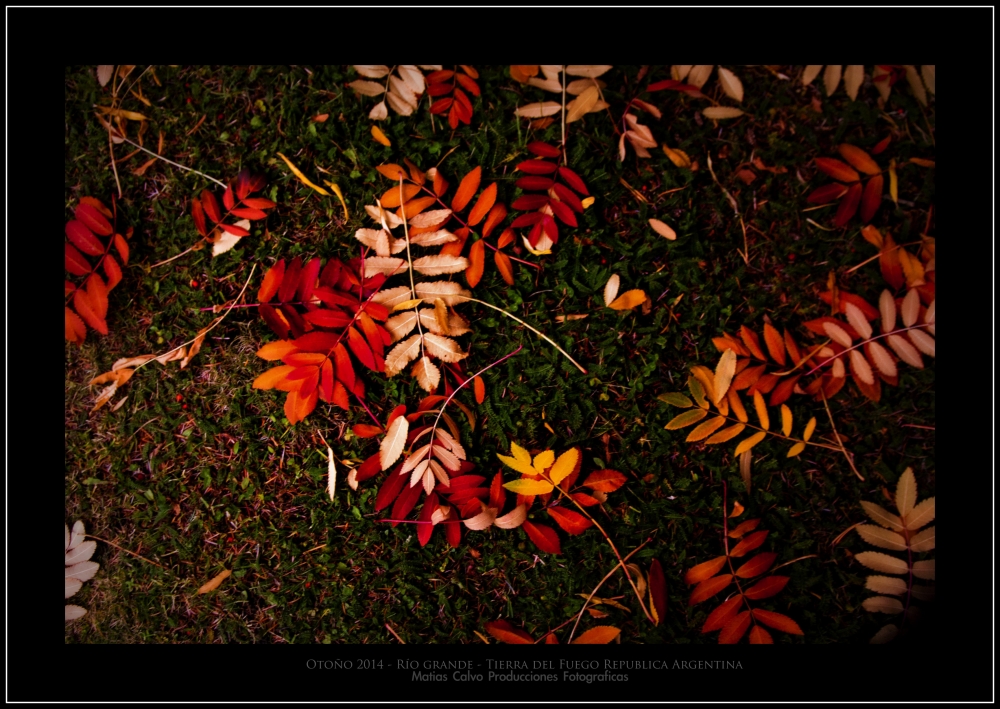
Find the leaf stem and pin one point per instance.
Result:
(594, 592)
(514, 317)
(171, 162)
(864, 342)
(836, 435)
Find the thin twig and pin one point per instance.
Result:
(598, 588)
(175, 164)
(137, 556)
(563, 74)
(389, 628)
(198, 245)
(114, 167)
(836, 435)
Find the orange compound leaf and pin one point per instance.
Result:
(735, 629)
(707, 589)
(748, 377)
(360, 348)
(601, 635)
(504, 265)
(766, 587)
(477, 262)
(304, 359)
(756, 565)
(573, 180)
(76, 331)
(722, 615)
(827, 193)
(272, 281)
(390, 200)
(848, 206)
(483, 205)
(507, 633)
(276, 350)
(75, 261)
(543, 150)
(838, 170)
(657, 591)
(858, 158)
(605, 480)
(775, 343)
(543, 537)
(479, 387)
(752, 342)
(415, 206)
(537, 167)
(792, 347)
(584, 499)
(749, 543)
(704, 570)
(783, 391)
(759, 636)
(86, 310)
(744, 527)
(467, 188)
(871, 198)
(777, 621)
(112, 270)
(506, 238)
(83, 239)
(392, 171)
(440, 184)
(364, 430)
(93, 219)
(571, 522)
(468, 84)
(272, 377)
(496, 215)
(551, 639)
(326, 385)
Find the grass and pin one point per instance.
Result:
(200, 472)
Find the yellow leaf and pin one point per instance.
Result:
(518, 465)
(564, 465)
(601, 635)
(758, 402)
(407, 304)
(340, 195)
(686, 419)
(302, 178)
(810, 427)
(748, 443)
(587, 202)
(214, 583)
(786, 420)
(378, 135)
(796, 449)
(706, 429)
(544, 460)
(520, 453)
(525, 486)
(707, 378)
(724, 372)
(628, 300)
(697, 392)
(726, 434)
(893, 181)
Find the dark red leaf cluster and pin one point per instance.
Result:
(559, 200)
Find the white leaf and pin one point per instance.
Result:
(883, 516)
(862, 370)
(331, 482)
(906, 492)
(401, 355)
(810, 73)
(886, 634)
(440, 264)
(482, 520)
(440, 473)
(878, 561)
(538, 110)
(228, 240)
(413, 78)
(905, 351)
(854, 76)
(382, 217)
(858, 320)
(444, 348)
(514, 518)
(876, 536)
(923, 341)
(398, 104)
(394, 441)
(887, 309)
(663, 229)
(72, 586)
(432, 238)
(352, 478)
(621, 148)
(84, 571)
(923, 541)
(591, 71)
(731, 84)
(384, 265)
(551, 71)
(67, 537)
(431, 218)
(831, 78)
(924, 569)
(837, 334)
(428, 376)
(80, 553)
(372, 71)
(379, 112)
(552, 85)
(104, 73)
(448, 291)
(391, 297)
(401, 325)
(578, 86)
(414, 459)
(679, 71)
(911, 308)
(721, 112)
(882, 604)
(699, 74)
(450, 441)
(882, 359)
(74, 612)
(418, 472)
(367, 88)
(929, 315)
(886, 584)
(611, 289)
(927, 72)
(838, 369)
(920, 515)
(76, 538)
